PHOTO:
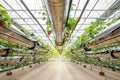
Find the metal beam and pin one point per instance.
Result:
(45, 24)
(29, 18)
(71, 10)
(68, 12)
(114, 7)
(75, 17)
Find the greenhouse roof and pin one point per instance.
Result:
(95, 11)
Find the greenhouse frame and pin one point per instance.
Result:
(59, 39)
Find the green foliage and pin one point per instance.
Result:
(11, 45)
(48, 23)
(70, 26)
(4, 17)
(81, 39)
(106, 46)
(24, 31)
(8, 44)
(91, 29)
(28, 35)
(72, 22)
(111, 22)
(40, 41)
(37, 39)
(102, 23)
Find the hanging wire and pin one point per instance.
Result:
(76, 8)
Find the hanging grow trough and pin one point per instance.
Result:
(56, 8)
(12, 36)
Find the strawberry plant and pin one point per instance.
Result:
(91, 29)
(4, 17)
(70, 26)
(48, 29)
(111, 22)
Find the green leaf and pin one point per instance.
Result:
(111, 22)
(73, 4)
(102, 23)
(48, 23)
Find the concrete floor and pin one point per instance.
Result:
(56, 71)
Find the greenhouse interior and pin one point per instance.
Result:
(59, 39)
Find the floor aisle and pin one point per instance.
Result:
(54, 71)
